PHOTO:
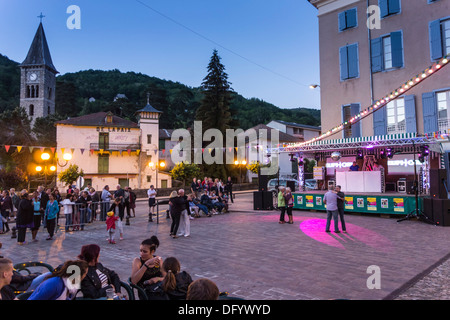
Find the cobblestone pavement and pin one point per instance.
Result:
(250, 255)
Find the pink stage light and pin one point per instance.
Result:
(315, 229)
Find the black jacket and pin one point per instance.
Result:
(91, 286)
(24, 212)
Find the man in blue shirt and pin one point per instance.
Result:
(354, 167)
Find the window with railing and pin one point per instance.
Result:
(395, 111)
(443, 103)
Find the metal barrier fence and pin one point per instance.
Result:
(77, 215)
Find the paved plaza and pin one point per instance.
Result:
(250, 255)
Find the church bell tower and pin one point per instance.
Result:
(38, 79)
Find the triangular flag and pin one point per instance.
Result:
(236, 148)
(7, 148)
(138, 151)
(209, 149)
(31, 149)
(203, 150)
(230, 149)
(170, 151)
(73, 150)
(163, 150)
(62, 150)
(42, 149)
(129, 152)
(53, 150)
(92, 151)
(19, 148)
(101, 151)
(82, 151)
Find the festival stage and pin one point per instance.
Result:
(377, 203)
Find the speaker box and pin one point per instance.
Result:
(428, 208)
(291, 185)
(437, 179)
(441, 214)
(262, 200)
(262, 181)
(410, 187)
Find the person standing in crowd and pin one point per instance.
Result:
(151, 193)
(98, 278)
(44, 197)
(289, 201)
(330, 200)
(15, 200)
(194, 187)
(111, 226)
(281, 204)
(36, 202)
(68, 204)
(84, 202)
(5, 208)
(106, 199)
(6, 274)
(185, 223)
(59, 285)
(115, 207)
(341, 206)
(178, 205)
(51, 212)
(24, 217)
(132, 201)
(229, 187)
(95, 198)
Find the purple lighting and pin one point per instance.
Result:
(315, 229)
(370, 146)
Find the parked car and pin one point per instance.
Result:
(271, 185)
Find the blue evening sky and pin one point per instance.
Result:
(269, 48)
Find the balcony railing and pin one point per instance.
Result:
(443, 124)
(396, 128)
(115, 146)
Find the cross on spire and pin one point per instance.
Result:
(41, 16)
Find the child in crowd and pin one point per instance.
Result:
(111, 226)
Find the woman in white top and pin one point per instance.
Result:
(151, 202)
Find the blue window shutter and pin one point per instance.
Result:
(394, 6)
(384, 9)
(377, 54)
(342, 23)
(436, 40)
(410, 113)
(356, 128)
(353, 64)
(430, 120)
(344, 62)
(397, 49)
(351, 18)
(379, 122)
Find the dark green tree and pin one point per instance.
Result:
(214, 110)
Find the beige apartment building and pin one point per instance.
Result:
(359, 65)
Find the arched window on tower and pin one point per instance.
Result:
(28, 92)
(31, 110)
(32, 92)
(37, 91)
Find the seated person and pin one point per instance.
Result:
(203, 289)
(146, 271)
(215, 201)
(99, 278)
(175, 283)
(201, 207)
(206, 201)
(223, 199)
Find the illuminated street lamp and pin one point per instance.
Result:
(156, 167)
(240, 164)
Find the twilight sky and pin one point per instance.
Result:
(269, 48)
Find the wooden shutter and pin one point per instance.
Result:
(343, 62)
(410, 113)
(436, 40)
(353, 63)
(397, 49)
(380, 122)
(430, 120)
(356, 128)
(377, 54)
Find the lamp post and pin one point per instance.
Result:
(313, 86)
(240, 164)
(155, 167)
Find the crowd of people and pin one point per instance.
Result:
(159, 279)
(44, 207)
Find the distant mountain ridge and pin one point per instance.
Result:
(178, 102)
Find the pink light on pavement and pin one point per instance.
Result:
(315, 229)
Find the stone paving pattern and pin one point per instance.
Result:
(250, 255)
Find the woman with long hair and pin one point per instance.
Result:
(175, 283)
(63, 283)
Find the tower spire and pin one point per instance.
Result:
(41, 16)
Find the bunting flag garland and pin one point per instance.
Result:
(53, 149)
(19, 148)
(7, 148)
